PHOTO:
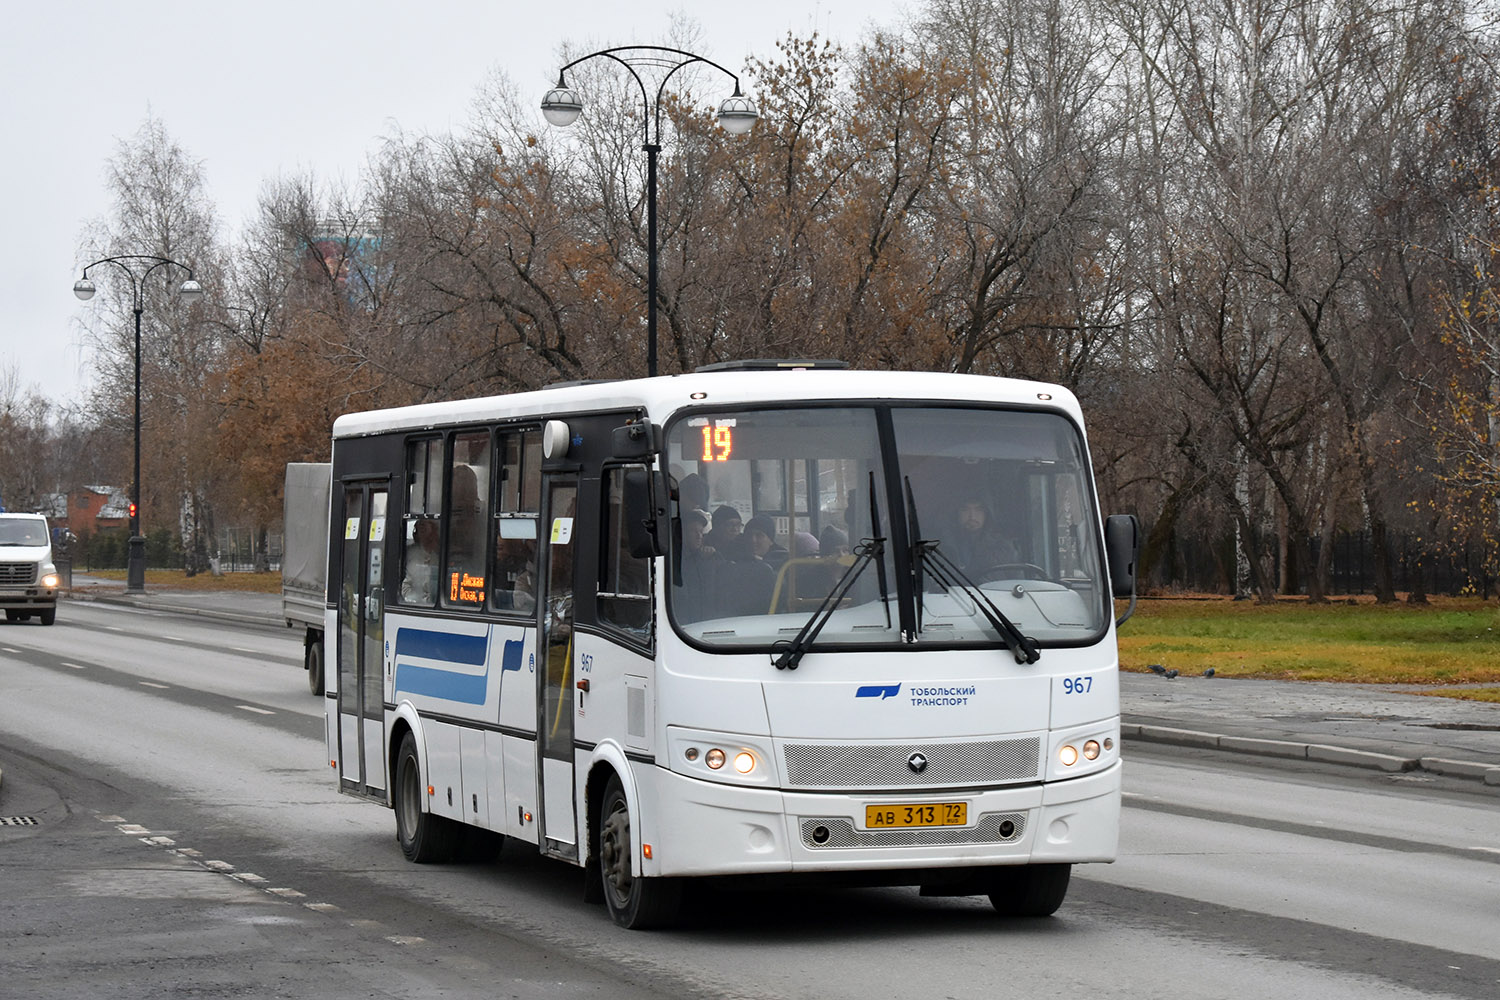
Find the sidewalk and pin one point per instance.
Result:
(1384, 727)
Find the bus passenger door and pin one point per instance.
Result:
(361, 737)
(555, 679)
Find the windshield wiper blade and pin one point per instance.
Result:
(791, 652)
(869, 550)
(945, 571)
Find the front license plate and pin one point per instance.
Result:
(917, 814)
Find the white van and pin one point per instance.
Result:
(28, 580)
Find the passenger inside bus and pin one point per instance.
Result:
(727, 527)
(419, 583)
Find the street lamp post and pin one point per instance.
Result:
(737, 113)
(191, 291)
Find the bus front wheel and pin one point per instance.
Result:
(424, 838)
(1029, 890)
(633, 902)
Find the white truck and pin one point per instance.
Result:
(28, 579)
(304, 560)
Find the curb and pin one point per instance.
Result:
(160, 604)
(1323, 753)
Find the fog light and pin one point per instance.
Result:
(1068, 755)
(714, 758)
(1091, 749)
(744, 762)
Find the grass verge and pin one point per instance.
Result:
(1450, 641)
(176, 579)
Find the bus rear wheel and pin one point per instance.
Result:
(1029, 890)
(634, 902)
(424, 838)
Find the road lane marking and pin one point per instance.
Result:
(153, 684)
(257, 711)
(75, 666)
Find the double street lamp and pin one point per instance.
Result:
(737, 113)
(138, 267)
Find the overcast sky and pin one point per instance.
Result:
(277, 87)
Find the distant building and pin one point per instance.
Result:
(89, 509)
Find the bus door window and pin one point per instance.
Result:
(421, 529)
(625, 580)
(468, 514)
(517, 504)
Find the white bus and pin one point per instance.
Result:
(766, 619)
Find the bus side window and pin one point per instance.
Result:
(624, 580)
(468, 513)
(420, 529)
(518, 502)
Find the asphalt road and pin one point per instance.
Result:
(171, 830)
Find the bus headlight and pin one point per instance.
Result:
(1083, 751)
(719, 757)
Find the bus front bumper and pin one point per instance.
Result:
(703, 828)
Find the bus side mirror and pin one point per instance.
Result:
(635, 441)
(645, 500)
(1122, 544)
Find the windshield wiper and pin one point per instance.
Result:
(867, 551)
(925, 551)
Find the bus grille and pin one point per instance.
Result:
(17, 574)
(819, 833)
(890, 766)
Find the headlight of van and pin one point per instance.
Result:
(48, 575)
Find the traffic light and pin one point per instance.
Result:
(132, 509)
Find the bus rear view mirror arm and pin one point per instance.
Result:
(645, 511)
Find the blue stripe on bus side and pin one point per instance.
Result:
(430, 645)
(435, 682)
(445, 684)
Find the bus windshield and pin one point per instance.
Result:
(786, 512)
